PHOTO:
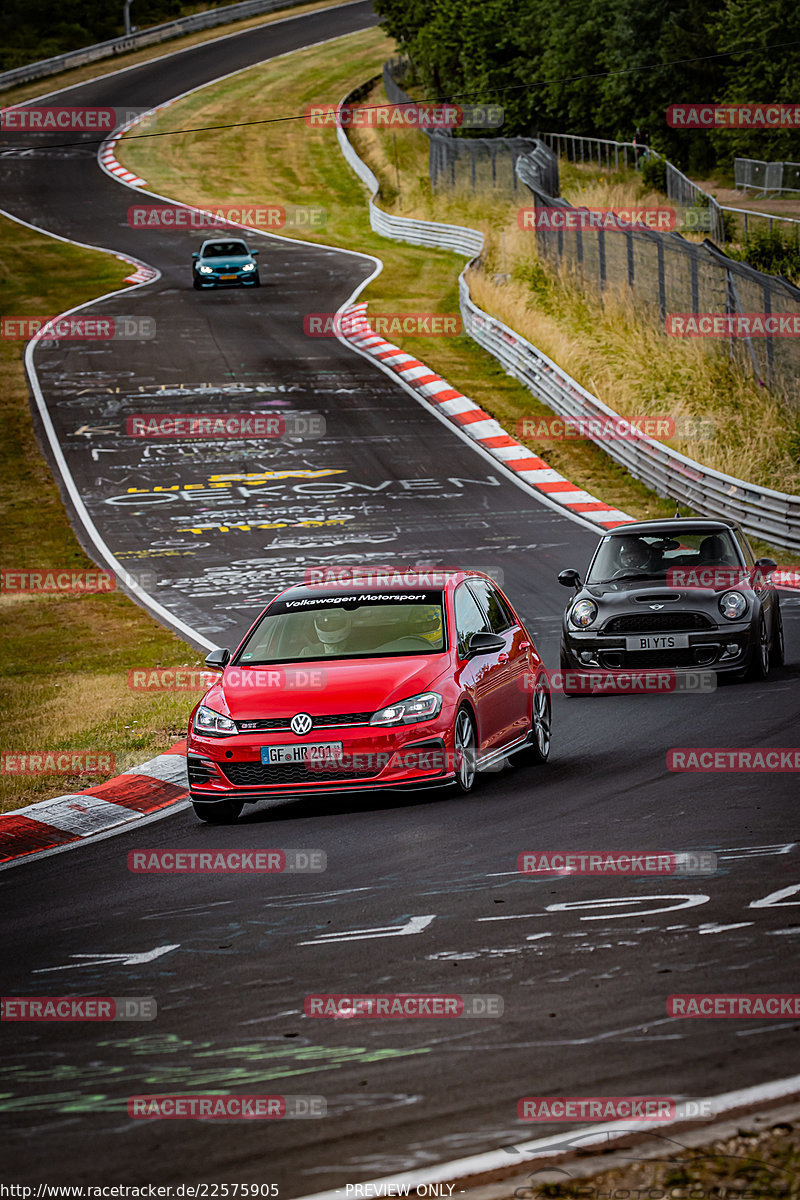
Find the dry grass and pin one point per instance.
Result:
(307, 167)
(610, 345)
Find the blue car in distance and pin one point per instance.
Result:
(225, 262)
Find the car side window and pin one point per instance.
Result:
(497, 612)
(469, 617)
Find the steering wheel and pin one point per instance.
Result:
(402, 642)
(629, 571)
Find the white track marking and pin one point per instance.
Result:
(557, 1144)
(412, 925)
(126, 959)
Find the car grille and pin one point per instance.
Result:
(258, 774)
(325, 722)
(647, 659)
(659, 621)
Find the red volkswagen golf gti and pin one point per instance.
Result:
(352, 688)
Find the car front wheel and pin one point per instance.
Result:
(760, 660)
(776, 653)
(223, 812)
(465, 749)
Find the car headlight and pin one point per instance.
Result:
(206, 720)
(206, 270)
(583, 613)
(732, 605)
(405, 712)
(249, 267)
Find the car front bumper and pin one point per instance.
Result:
(720, 649)
(404, 757)
(214, 281)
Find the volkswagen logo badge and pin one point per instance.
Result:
(301, 723)
(656, 605)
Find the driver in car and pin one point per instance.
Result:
(634, 555)
(333, 627)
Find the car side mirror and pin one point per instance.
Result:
(218, 659)
(195, 255)
(485, 643)
(255, 253)
(569, 578)
(767, 565)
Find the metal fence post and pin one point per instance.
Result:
(662, 283)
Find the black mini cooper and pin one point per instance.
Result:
(683, 593)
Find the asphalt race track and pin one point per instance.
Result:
(230, 958)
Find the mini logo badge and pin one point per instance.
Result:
(656, 605)
(300, 723)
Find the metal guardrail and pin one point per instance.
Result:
(763, 513)
(403, 229)
(767, 176)
(772, 516)
(135, 41)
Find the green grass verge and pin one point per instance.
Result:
(64, 661)
(292, 163)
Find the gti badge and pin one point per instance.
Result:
(300, 723)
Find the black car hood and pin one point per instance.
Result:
(626, 596)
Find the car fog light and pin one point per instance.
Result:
(585, 656)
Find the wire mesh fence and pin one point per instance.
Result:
(767, 176)
(608, 155)
(693, 290)
(476, 163)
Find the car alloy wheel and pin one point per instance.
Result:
(776, 654)
(541, 724)
(760, 662)
(222, 812)
(542, 717)
(465, 748)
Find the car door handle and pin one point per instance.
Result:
(524, 645)
(502, 658)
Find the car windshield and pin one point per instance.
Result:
(653, 555)
(224, 249)
(365, 625)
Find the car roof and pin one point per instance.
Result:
(391, 579)
(674, 525)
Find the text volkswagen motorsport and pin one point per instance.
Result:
(341, 688)
(682, 593)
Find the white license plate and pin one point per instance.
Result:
(317, 752)
(658, 641)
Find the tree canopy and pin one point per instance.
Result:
(604, 68)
